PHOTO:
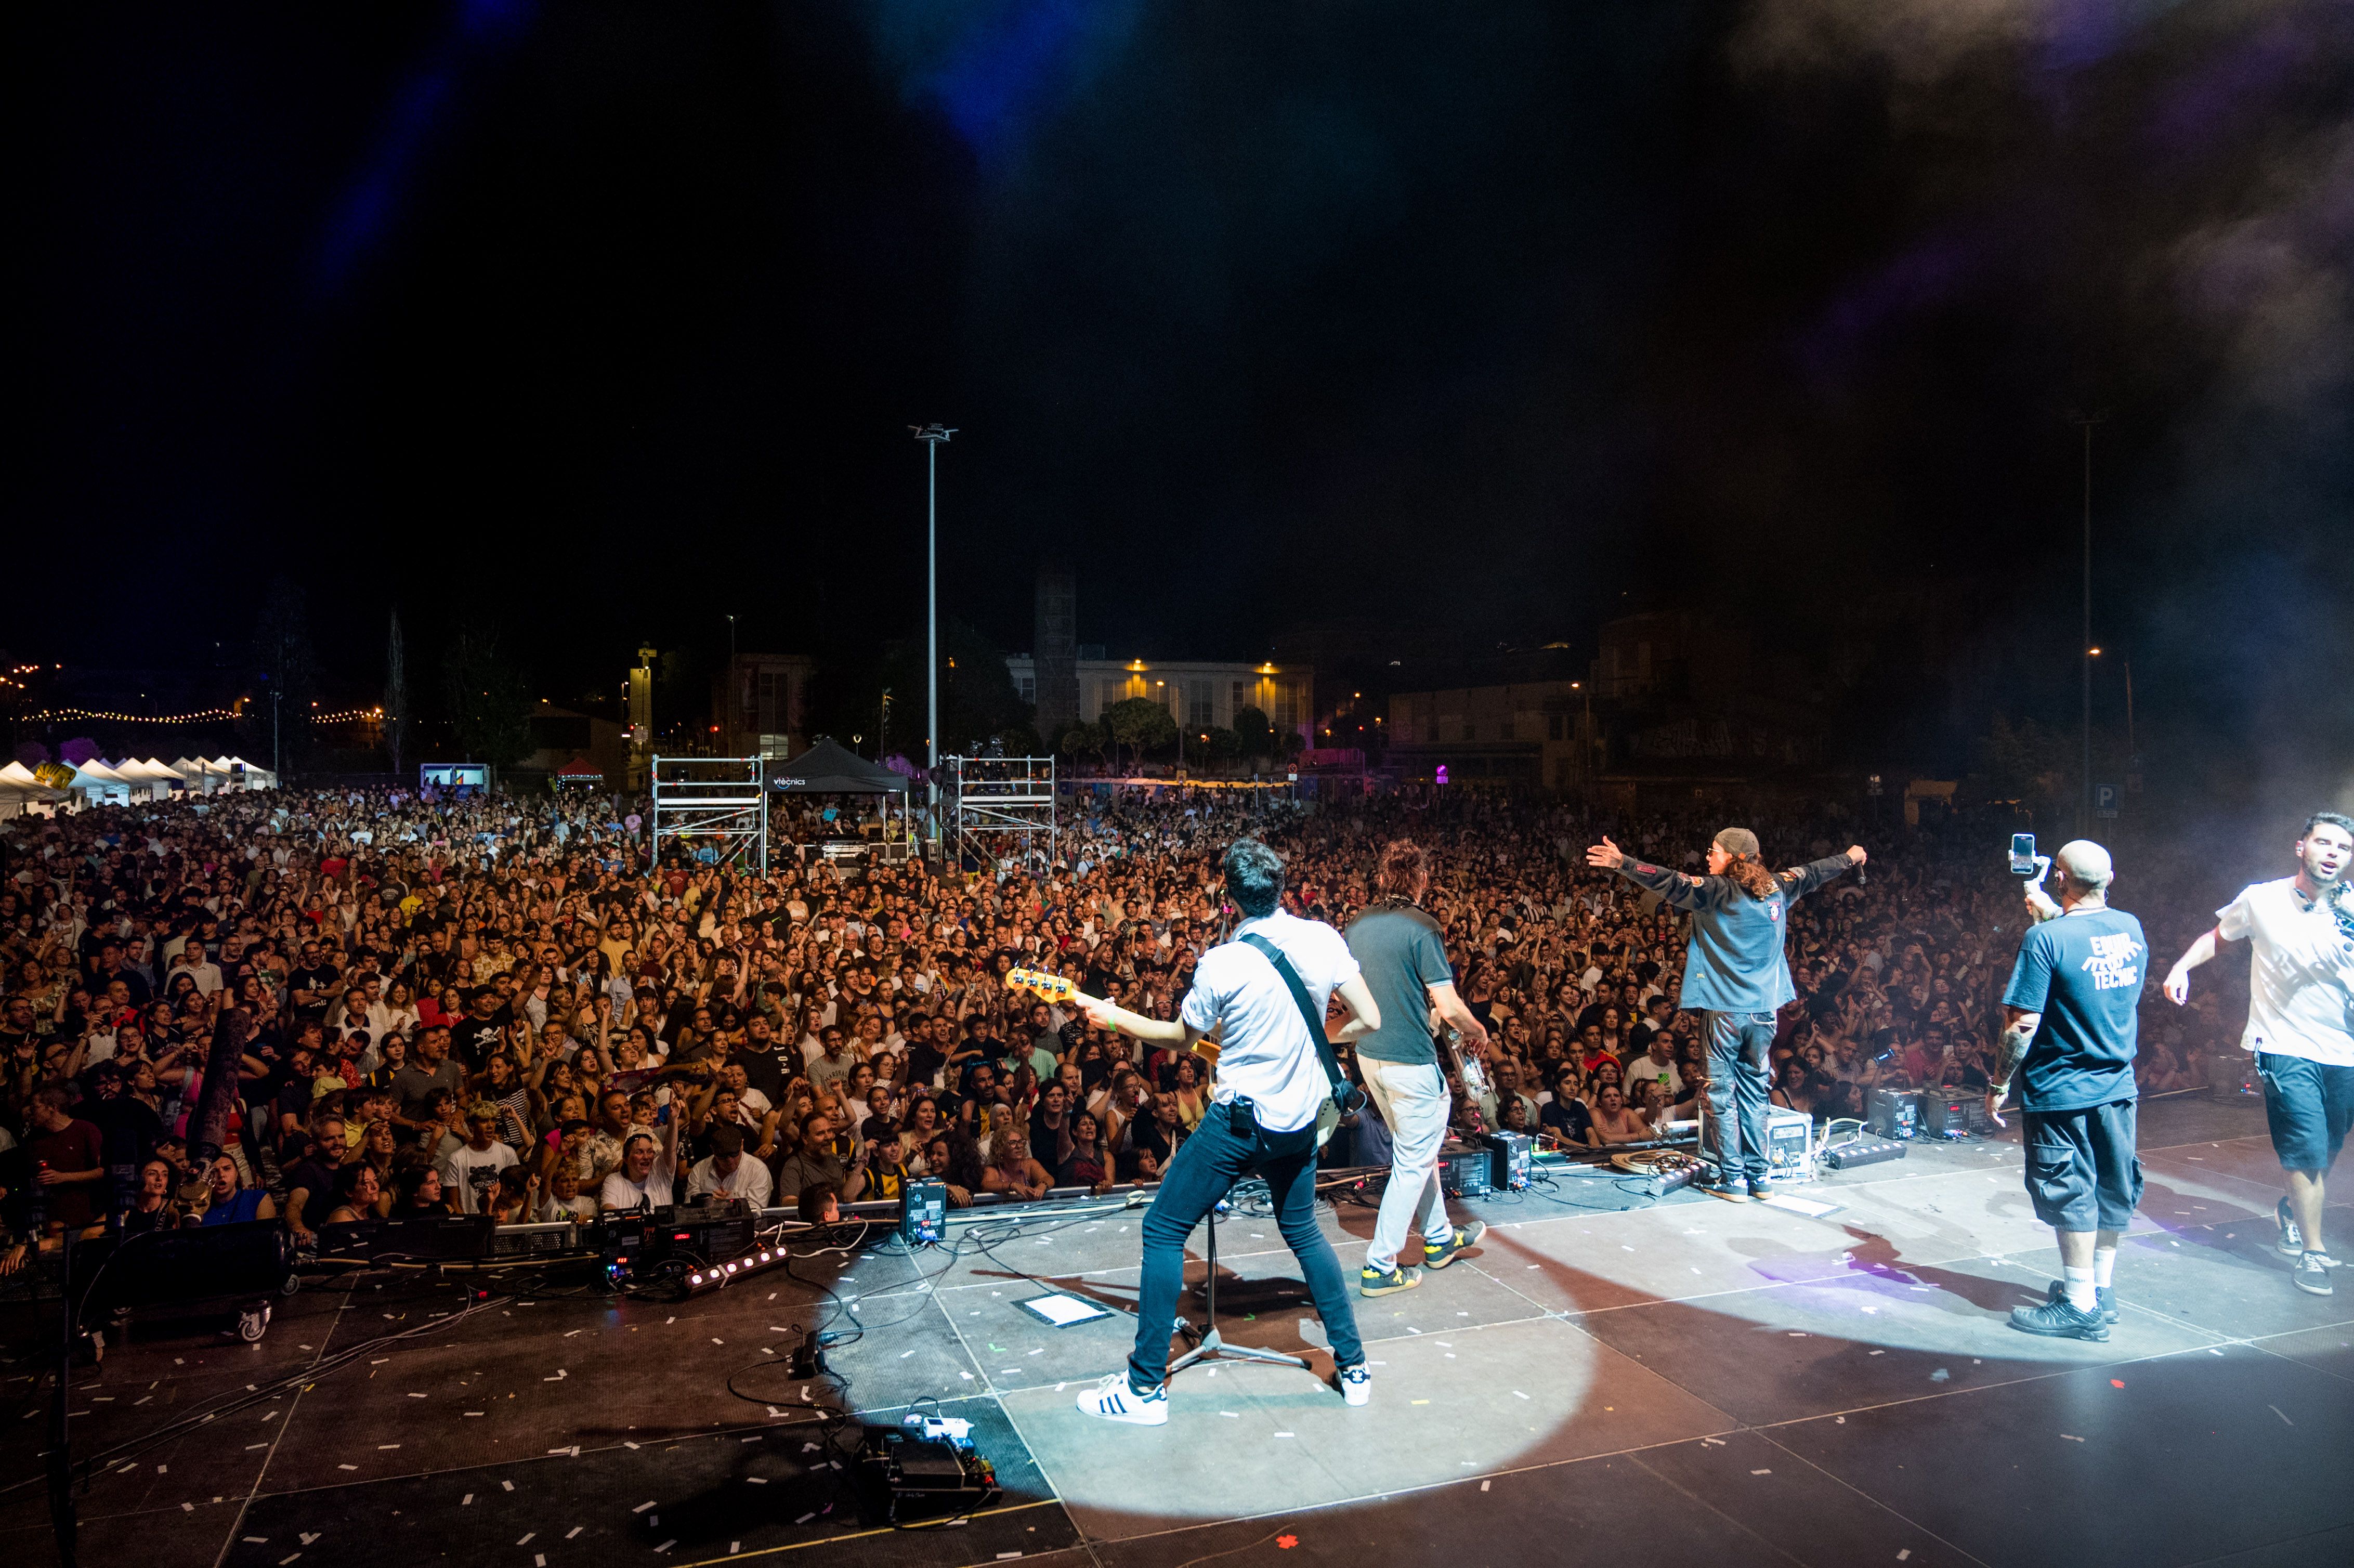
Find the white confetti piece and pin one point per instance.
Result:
(805, 1519)
(383, 1446)
(347, 1466)
(666, 1545)
(506, 1486)
(1483, 1486)
(466, 1499)
(2277, 1410)
(758, 1480)
(643, 1507)
(1761, 1472)
(526, 1537)
(574, 1530)
(2071, 1438)
(188, 1508)
(472, 1413)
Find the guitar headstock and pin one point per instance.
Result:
(1039, 983)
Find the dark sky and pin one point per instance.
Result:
(595, 321)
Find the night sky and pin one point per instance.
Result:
(593, 322)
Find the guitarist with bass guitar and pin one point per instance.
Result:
(1263, 995)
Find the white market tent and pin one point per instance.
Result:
(98, 785)
(21, 792)
(149, 780)
(255, 778)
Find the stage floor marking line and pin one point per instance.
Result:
(864, 1534)
(278, 1433)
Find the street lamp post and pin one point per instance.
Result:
(2085, 649)
(932, 436)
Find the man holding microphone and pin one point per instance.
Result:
(1737, 976)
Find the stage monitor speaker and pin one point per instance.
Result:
(1509, 1154)
(1790, 1143)
(1466, 1172)
(1946, 1113)
(170, 1269)
(1894, 1113)
(923, 1211)
(538, 1239)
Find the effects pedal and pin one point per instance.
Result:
(923, 1213)
(904, 1475)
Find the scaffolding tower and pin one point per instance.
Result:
(1001, 806)
(722, 800)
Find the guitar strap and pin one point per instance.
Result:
(1345, 1095)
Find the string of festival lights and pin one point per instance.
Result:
(203, 715)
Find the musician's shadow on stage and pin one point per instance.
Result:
(1241, 1296)
(1876, 1255)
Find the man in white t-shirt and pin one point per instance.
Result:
(727, 1173)
(1270, 1085)
(2300, 985)
(473, 1168)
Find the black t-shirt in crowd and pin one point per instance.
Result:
(317, 1180)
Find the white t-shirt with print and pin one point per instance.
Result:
(2301, 976)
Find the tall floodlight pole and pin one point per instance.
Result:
(932, 436)
(2084, 644)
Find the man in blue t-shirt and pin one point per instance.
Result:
(2068, 1041)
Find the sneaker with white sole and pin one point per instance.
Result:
(2061, 1319)
(2105, 1298)
(1356, 1383)
(1372, 1281)
(1439, 1254)
(2311, 1274)
(1113, 1400)
(2292, 1235)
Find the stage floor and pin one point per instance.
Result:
(1685, 1380)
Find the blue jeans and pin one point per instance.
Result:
(1224, 1150)
(1739, 1046)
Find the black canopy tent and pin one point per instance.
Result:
(826, 768)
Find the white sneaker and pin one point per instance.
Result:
(1113, 1400)
(1356, 1383)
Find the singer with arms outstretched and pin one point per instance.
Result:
(1735, 973)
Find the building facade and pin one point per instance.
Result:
(1538, 733)
(1199, 695)
(760, 702)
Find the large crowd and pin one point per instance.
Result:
(510, 1007)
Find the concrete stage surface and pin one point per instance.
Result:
(1605, 1378)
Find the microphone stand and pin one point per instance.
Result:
(1208, 1345)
